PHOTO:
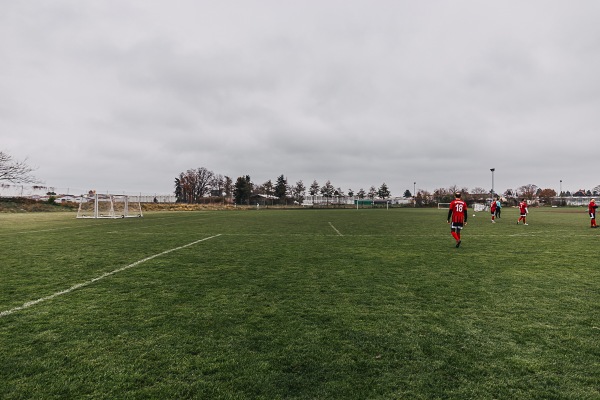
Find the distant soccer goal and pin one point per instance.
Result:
(480, 207)
(443, 206)
(108, 206)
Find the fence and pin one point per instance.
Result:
(65, 194)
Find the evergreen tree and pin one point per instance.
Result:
(178, 191)
(383, 191)
(281, 188)
(372, 192)
(242, 190)
(327, 189)
(228, 187)
(299, 191)
(314, 188)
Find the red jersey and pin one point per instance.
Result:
(592, 207)
(493, 206)
(458, 211)
(523, 207)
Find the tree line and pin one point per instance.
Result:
(529, 192)
(202, 185)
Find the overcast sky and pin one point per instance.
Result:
(123, 95)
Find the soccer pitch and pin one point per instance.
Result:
(300, 304)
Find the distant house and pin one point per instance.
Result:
(263, 199)
(68, 198)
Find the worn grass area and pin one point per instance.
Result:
(302, 304)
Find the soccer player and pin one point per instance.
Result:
(493, 207)
(592, 210)
(523, 210)
(498, 207)
(457, 217)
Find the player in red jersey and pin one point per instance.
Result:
(523, 210)
(457, 217)
(592, 210)
(493, 206)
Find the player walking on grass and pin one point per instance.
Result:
(457, 217)
(498, 207)
(493, 209)
(523, 210)
(592, 210)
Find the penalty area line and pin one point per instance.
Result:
(98, 278)
(334, 228)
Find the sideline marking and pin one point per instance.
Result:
(104, 275)
(338, 232)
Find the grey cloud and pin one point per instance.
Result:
(357, 93)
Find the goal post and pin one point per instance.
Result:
(443, 206)
(108, 206)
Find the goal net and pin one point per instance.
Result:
(108, 206)
(480, 207)
(443, 206)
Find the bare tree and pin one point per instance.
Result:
(228, 187)
(15, 171)
(546, 195)
(528, 191)
(217, 185)
(203, 179)
(443, 195)
(453, 189)
(193, 185)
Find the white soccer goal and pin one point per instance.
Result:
(108, 206)
(480, 207)
(443, 206)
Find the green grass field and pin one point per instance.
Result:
(299, 304)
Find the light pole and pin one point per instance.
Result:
(414, 194)
(560, 193)
(492, 169)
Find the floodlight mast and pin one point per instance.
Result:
(492, 169)
(560, 193)
(414, 194)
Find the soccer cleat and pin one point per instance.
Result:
(525, 224)
(458, 243)
(493, 222)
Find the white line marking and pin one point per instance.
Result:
(338, 232)
(104, 275)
